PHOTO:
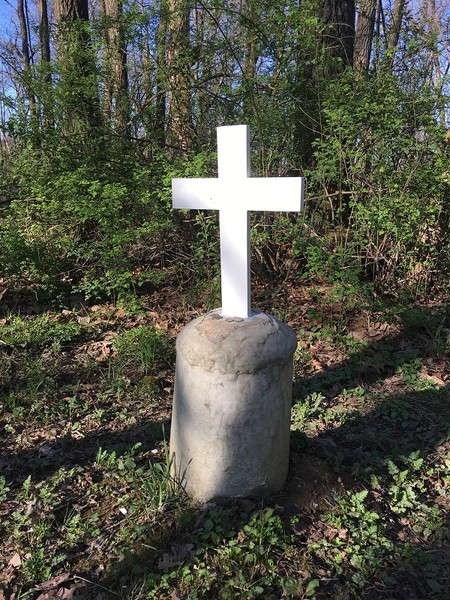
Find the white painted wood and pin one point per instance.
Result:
(234, 193)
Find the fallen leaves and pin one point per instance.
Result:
(11, 570)
(101, 350)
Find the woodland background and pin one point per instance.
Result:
(103, 102)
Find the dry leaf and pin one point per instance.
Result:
(84, 320)
(178, 555)
(358, 334)
(241, 537)
(330, 533)
(15, 561)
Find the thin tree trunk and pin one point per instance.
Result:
(22, 13)
(161, 71)
(364, 36)
(45, 108)
(249, 63)
(178, 103)
(396, 25)
(44, 33)
(116, 52)
(23, 20)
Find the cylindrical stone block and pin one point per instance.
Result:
(232, 404)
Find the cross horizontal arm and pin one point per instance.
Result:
(195, 193)
(284, 194)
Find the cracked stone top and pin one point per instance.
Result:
(235, 345)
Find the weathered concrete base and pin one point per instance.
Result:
(232, 406)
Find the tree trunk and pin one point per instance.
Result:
(46, 109)
(338, 16)
(44, 34)
(22, 13)
(71, 10)
(396, 25)
(178, 103)
(161, 72)
(364, 36)
(116, 92)
(23, 20)
(250, 20)
(81, 106)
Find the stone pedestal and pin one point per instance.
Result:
(232, 406)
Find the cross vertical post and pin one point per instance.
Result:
(233, 157)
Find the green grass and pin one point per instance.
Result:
(86, 494)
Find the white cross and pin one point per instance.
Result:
(234, 193)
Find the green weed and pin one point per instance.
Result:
(142, 346)
(309, 408)
(411, 374)
(38, 331)
(4, 488)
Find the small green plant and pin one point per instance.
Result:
(357, 539)
(141, 347)
(37, 567)
(358, 392)
(395, 409)
(411, 374)
(309, 408)
(406, 485)
(216, 527)
(4, 489)
(13, 406)
(113, 460)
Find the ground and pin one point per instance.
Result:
(87, 507)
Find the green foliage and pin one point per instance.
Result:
(40, 330)
(4, 489)
(360, 541)
(308, 408)
(386, 183)
(403, 488)
(200, 254)
(86, 223)
(230, 562)
(87, 194)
